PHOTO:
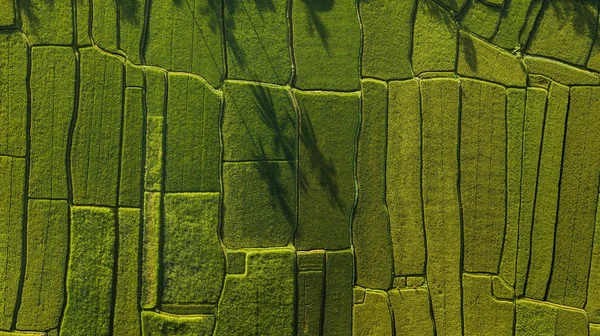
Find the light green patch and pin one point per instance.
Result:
(370, 224)
(259, 203)
(411, 311)
(95, 149)
(482, 173)
(566, 30)
(150, 268)
(126, 316)
(326, 44)
(90, 272)
(158, 324)
(484, 315)
(13, 94)
(259, 122)
(384, 57)
(7, 13)
(45, 22)
(187, 36)
(477, 58)
(257, 41)
(193, 262)
(192, 152)
(326, 176)
(52, 85)
(560, 72)
(260, 302)
(546, 200)
(441, 207)
(535, 318)
(434, 39)
(12, 189)
(592, 304)
(155, 106)
(373, 316)
(47, 245)
(131, 153)
(578, 197)
(403, 175)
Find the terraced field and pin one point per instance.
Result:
(299, 167)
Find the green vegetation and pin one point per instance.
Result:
(577, 32)
(12, 189)
(479, 59)
(384, 57)
(434, 39)
(535, 106)
(481, 18)
(126, 316)
(13, 94)
(327, 156)
(441, 203)
(299, 167)
(95, 148)
(578, 197)
(546, 199)
(326, 44)
(371, 226)
(192, 152)
(186, 36)
(483, 314)
(373, 316)
(52, 76)
(131, 151)
(257, 41)
(47, 22)
(47, 245)
(261, 301)
(158, 324)
(259, 203)
(482, 173)
(193, 261)
(337, 308)
(90, 272)
(151, 231)
(411, 310)
(259, 122)
(403, 170)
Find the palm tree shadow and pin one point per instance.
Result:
(315, 24)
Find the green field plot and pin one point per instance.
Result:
(95, 148)
(192, 144)
(187, 36)
(90, 272)
(44, 284)
(53, 78)
(257, 40)
(300, 167)
(12, 173)
(192, 259)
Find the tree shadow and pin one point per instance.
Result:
(584, 21)
(315, 24)
(130, 10)
(324, 168)
(468, 50)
